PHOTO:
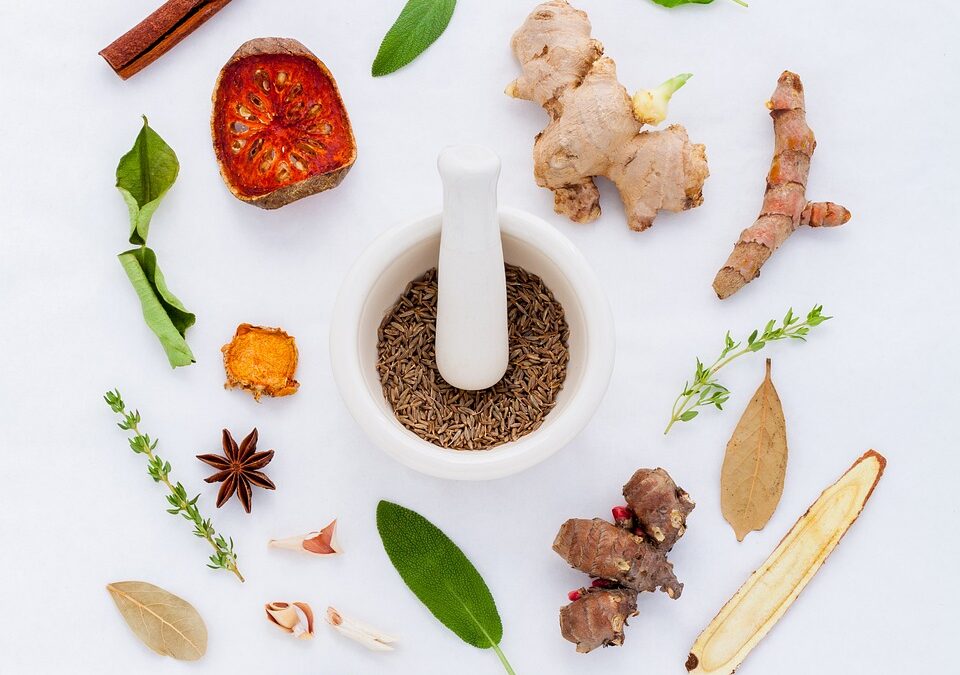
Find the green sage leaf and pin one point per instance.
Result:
(419, 25)
(162, 310)
(143, 177)
(441, 576)
(677, 3)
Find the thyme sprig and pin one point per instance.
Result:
(704, 390)
(180, 503)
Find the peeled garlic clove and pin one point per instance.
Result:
(323, 542)
(294, 618)
(369, 637)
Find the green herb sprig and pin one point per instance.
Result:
(442, 577)
(704, 390)
(180, 503)
(419, 25)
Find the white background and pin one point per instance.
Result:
(78, 510)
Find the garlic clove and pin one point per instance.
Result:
(360, 632)
(294, 618)
(323, 542)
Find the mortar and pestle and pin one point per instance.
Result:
(471, 346)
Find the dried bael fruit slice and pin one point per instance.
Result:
(280, 130)
(262, 361)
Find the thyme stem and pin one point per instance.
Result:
(224, 556)
(707, 391)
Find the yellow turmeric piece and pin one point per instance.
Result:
(262, 361)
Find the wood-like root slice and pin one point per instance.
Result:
(770, 591)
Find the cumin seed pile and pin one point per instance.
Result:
(474, 420)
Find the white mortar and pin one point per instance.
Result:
(399, 256)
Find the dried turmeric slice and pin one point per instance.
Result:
(261, 360)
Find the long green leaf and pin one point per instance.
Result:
(677, 3)
(162, 310)
(438, 573)
(143, 177)
(419, 25)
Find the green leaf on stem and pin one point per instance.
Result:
(441, 576)
(143, 177)
(419, 25)
(707, 391)
(677, 3)
(162, 310)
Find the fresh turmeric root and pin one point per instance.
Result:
(625, 558)
(785, 206)
(595, 127)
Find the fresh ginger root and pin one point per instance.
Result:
(595, 128)
(597, 617)
(785, 206)
(624, 558)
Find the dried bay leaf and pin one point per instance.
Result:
(167, 624)
(755, 464)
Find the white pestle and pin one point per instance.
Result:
(472, 345)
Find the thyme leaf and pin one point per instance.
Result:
(704, 391)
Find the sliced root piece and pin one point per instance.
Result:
(261, 360)
(770, 591)
(597, 617)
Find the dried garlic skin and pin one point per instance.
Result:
(262, 361)
(366, 635)
(321, 542)
(295, 618)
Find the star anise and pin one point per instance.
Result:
(239, 468)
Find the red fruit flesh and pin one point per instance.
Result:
(279, 126)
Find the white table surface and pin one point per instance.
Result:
(78, 510)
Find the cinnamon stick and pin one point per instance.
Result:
(157, 34)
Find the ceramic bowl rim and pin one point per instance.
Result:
(510, 458)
